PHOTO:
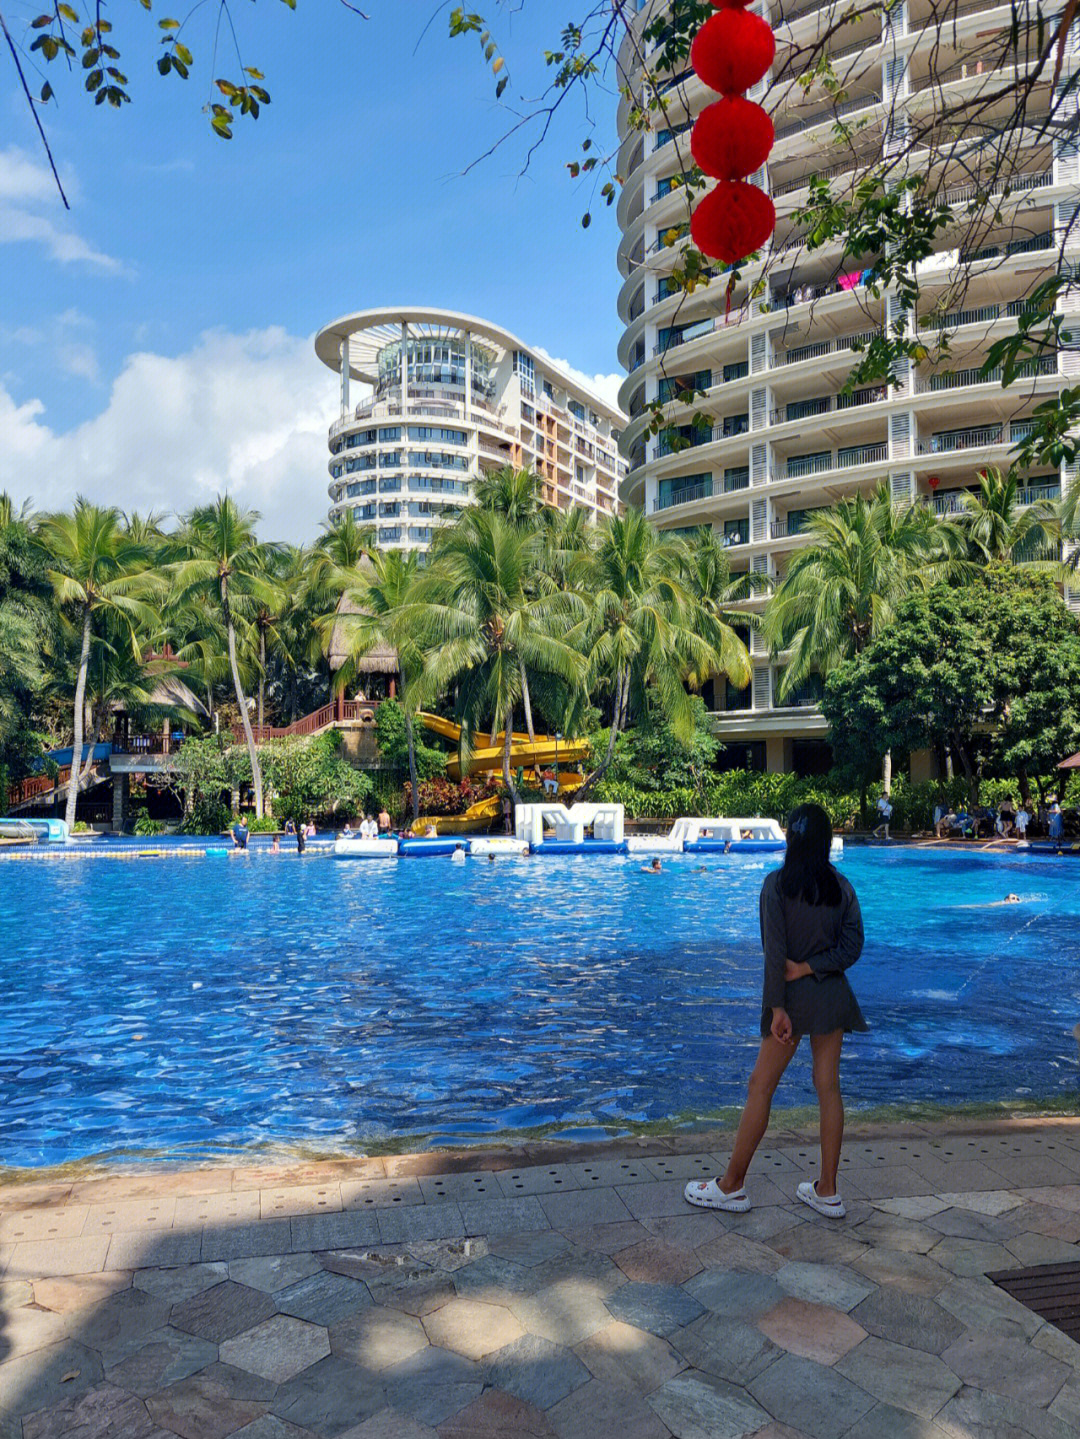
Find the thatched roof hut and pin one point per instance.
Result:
(381, 660)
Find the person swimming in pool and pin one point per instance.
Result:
(654, 868)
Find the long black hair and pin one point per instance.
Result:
(808, 873)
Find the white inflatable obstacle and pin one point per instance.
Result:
(480, 846)
(356, 848)
(603, 822)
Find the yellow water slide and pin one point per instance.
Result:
(524, 754)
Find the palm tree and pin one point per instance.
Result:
(863, 557)
(27, 627)
(998, 527)
(714, 593)
(514, 494)
(384, 599)
(481, 626)
(218, 558)
(96, 569)
(643, 628)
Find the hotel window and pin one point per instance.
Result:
(526, 372)
(577, 410)
(549, 389)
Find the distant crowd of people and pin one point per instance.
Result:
(1006, 822)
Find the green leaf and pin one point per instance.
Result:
(46, 93)
(90, 58)
(169, 24)
(183, 53)
(586, 221)
(93, 80)
(41, 22)
(68, 13)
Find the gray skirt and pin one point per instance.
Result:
(819, 1006)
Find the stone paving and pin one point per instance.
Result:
(555, 1293)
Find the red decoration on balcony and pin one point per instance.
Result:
(732, 221)
(732, 51)
(933, 481)
(732, 138)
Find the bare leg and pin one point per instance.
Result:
(826, 1050)
(773, 1058)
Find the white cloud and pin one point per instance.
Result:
(28, 202)
(606, 386)
(247, 413)
(66, 338)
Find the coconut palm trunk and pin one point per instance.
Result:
(527, 701)
(245, 718)
(508, 740)
(886, 772)
(78, 719)
(262, 674)
(618, 717)
(414, 784)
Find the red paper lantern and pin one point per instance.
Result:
(933, 481)
(732, 138)
(732, 51)
(732, 221)
(729, 4)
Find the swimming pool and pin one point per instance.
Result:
(189, 1007)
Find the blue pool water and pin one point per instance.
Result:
(193, 1006)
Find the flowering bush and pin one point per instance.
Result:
(439, 796)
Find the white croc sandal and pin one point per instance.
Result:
(832, 1208)
(707, 1194)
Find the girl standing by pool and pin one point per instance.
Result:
(811, 933)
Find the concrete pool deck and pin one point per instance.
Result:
(553, 1290)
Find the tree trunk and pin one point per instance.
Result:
(292, 696)
(262, 674)
(508, 740)
(526, 700)
(949, 773)
(886, 772)
(622, 691)
(414, 784)
(94, 739)
(77, 725)
(1025, 786)
(245, 718)
(969, 775)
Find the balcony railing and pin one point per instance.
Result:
(824, 117)
(958, 379)
(974, 437)
(796, 466)
(702, 490)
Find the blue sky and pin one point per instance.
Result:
(155, 343)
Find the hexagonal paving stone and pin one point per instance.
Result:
(564, 1313)
(812, 1331)
(377, 1337)
(621, 1355)
(659, 1308)
(810, 1396)
(654, 1262)
(75, 1291)
(471, 1328)
(103, 1411)
(599, 1408)
(907, 1378)
(278, 1348)
(330, 1398)
(433, 1385)
(177, 1285)
(832, 1284)
(220, 1313)
(497, 1415)
(273, 1272)
(205, 1406)
(697, 1406)
(1008, 1367)
(119, 1326)
(727, 1349)
(323, 1298)
(168, 1356)
(745, 1295)
(910, 1319)
(537, 1371)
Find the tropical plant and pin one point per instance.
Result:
(863, 558)
(512, 493)
(382, 602)
(219, 559)
(999, 528)
(641, 629)
(28, 633)
(714, 593)
(96, 569)
(482, 628)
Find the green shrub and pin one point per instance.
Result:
(266, 825)
(145, 826)
(208, 816)
(393, 742)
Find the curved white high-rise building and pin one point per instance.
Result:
(447, 397)
(783, 437)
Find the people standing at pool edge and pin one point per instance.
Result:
(811, 934)
(240, 834)
(884, 809)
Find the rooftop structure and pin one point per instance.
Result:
(452, 396)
